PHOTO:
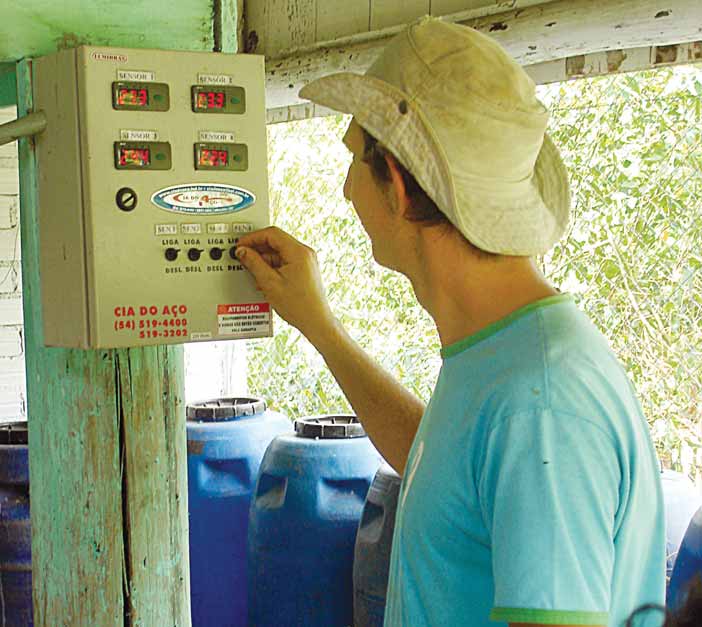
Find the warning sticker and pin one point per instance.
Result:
(244, 319)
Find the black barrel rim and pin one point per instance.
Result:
(329, 427)
(224, 409)
(14, 433)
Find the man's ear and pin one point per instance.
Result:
(399, 190)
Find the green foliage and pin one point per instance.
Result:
(632, 257)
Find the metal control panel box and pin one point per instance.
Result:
(151, 165)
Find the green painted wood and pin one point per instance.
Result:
(74, 464)
(8, 85)
(107, 428)
(107, 463)
(156, 510)
(35, 27)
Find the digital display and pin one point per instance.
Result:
(139, 157)
(213, 158)
(218, 99)
(133, 97)
(138, 96)
(210, 100)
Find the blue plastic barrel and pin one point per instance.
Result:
(226, 442)
(688, 565)
(371, 564)
(15, 527)
(309, 498)
(681, 500)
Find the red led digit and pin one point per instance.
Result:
(134, 156)
(219, 99)
(142, 97)
(210, 100)
(222, 156)
(202, 100)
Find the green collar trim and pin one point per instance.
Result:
(458, 347)
(547, 617)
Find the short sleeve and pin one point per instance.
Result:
(549, 492)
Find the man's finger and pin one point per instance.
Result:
(270, 239)
(256, 265)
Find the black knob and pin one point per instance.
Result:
(216, 253)
(126, 198)
(171, 254)
(194, 254)
(232, 252)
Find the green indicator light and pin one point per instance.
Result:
(160, 156)
(237, 158)
(235, 101)
(158, 97)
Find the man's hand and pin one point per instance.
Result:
(287, 273)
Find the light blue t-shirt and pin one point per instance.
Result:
(532, 491)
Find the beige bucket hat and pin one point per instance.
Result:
(462, 116)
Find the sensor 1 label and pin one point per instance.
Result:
(203, 199)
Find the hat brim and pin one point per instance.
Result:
(525, 218)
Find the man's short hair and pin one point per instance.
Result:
(422, 209)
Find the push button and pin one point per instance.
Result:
(194, 254)
(216, 253)
(232, 252)
(171, 254)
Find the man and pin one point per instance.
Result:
(530, 491)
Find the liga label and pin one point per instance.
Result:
(244, 319)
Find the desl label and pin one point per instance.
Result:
(244, 319)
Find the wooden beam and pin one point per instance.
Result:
(107, 432)
(107, 463)
(31, 28)
(531, 34)
(570, 68)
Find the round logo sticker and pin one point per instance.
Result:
(203, 199)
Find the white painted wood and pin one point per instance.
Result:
(615, 62)
(255, 25)
(10, 307)
(215, 370)
(289, 24)
(339, 18)
(10, 341)
(385, 13)
(469, 9)
(535, 34)
(9, 211)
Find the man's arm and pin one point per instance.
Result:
(287, 273)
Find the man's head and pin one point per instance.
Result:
(461, 120)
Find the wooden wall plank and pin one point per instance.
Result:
(290, 24)
(536, 34)
(386, 13)
(36, 27)
(77, 533)
(339, 18)
(445, 7)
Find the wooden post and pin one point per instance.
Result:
(107, 463)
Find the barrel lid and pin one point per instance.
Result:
(14, 433)
(329, 427)
(223, 409)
